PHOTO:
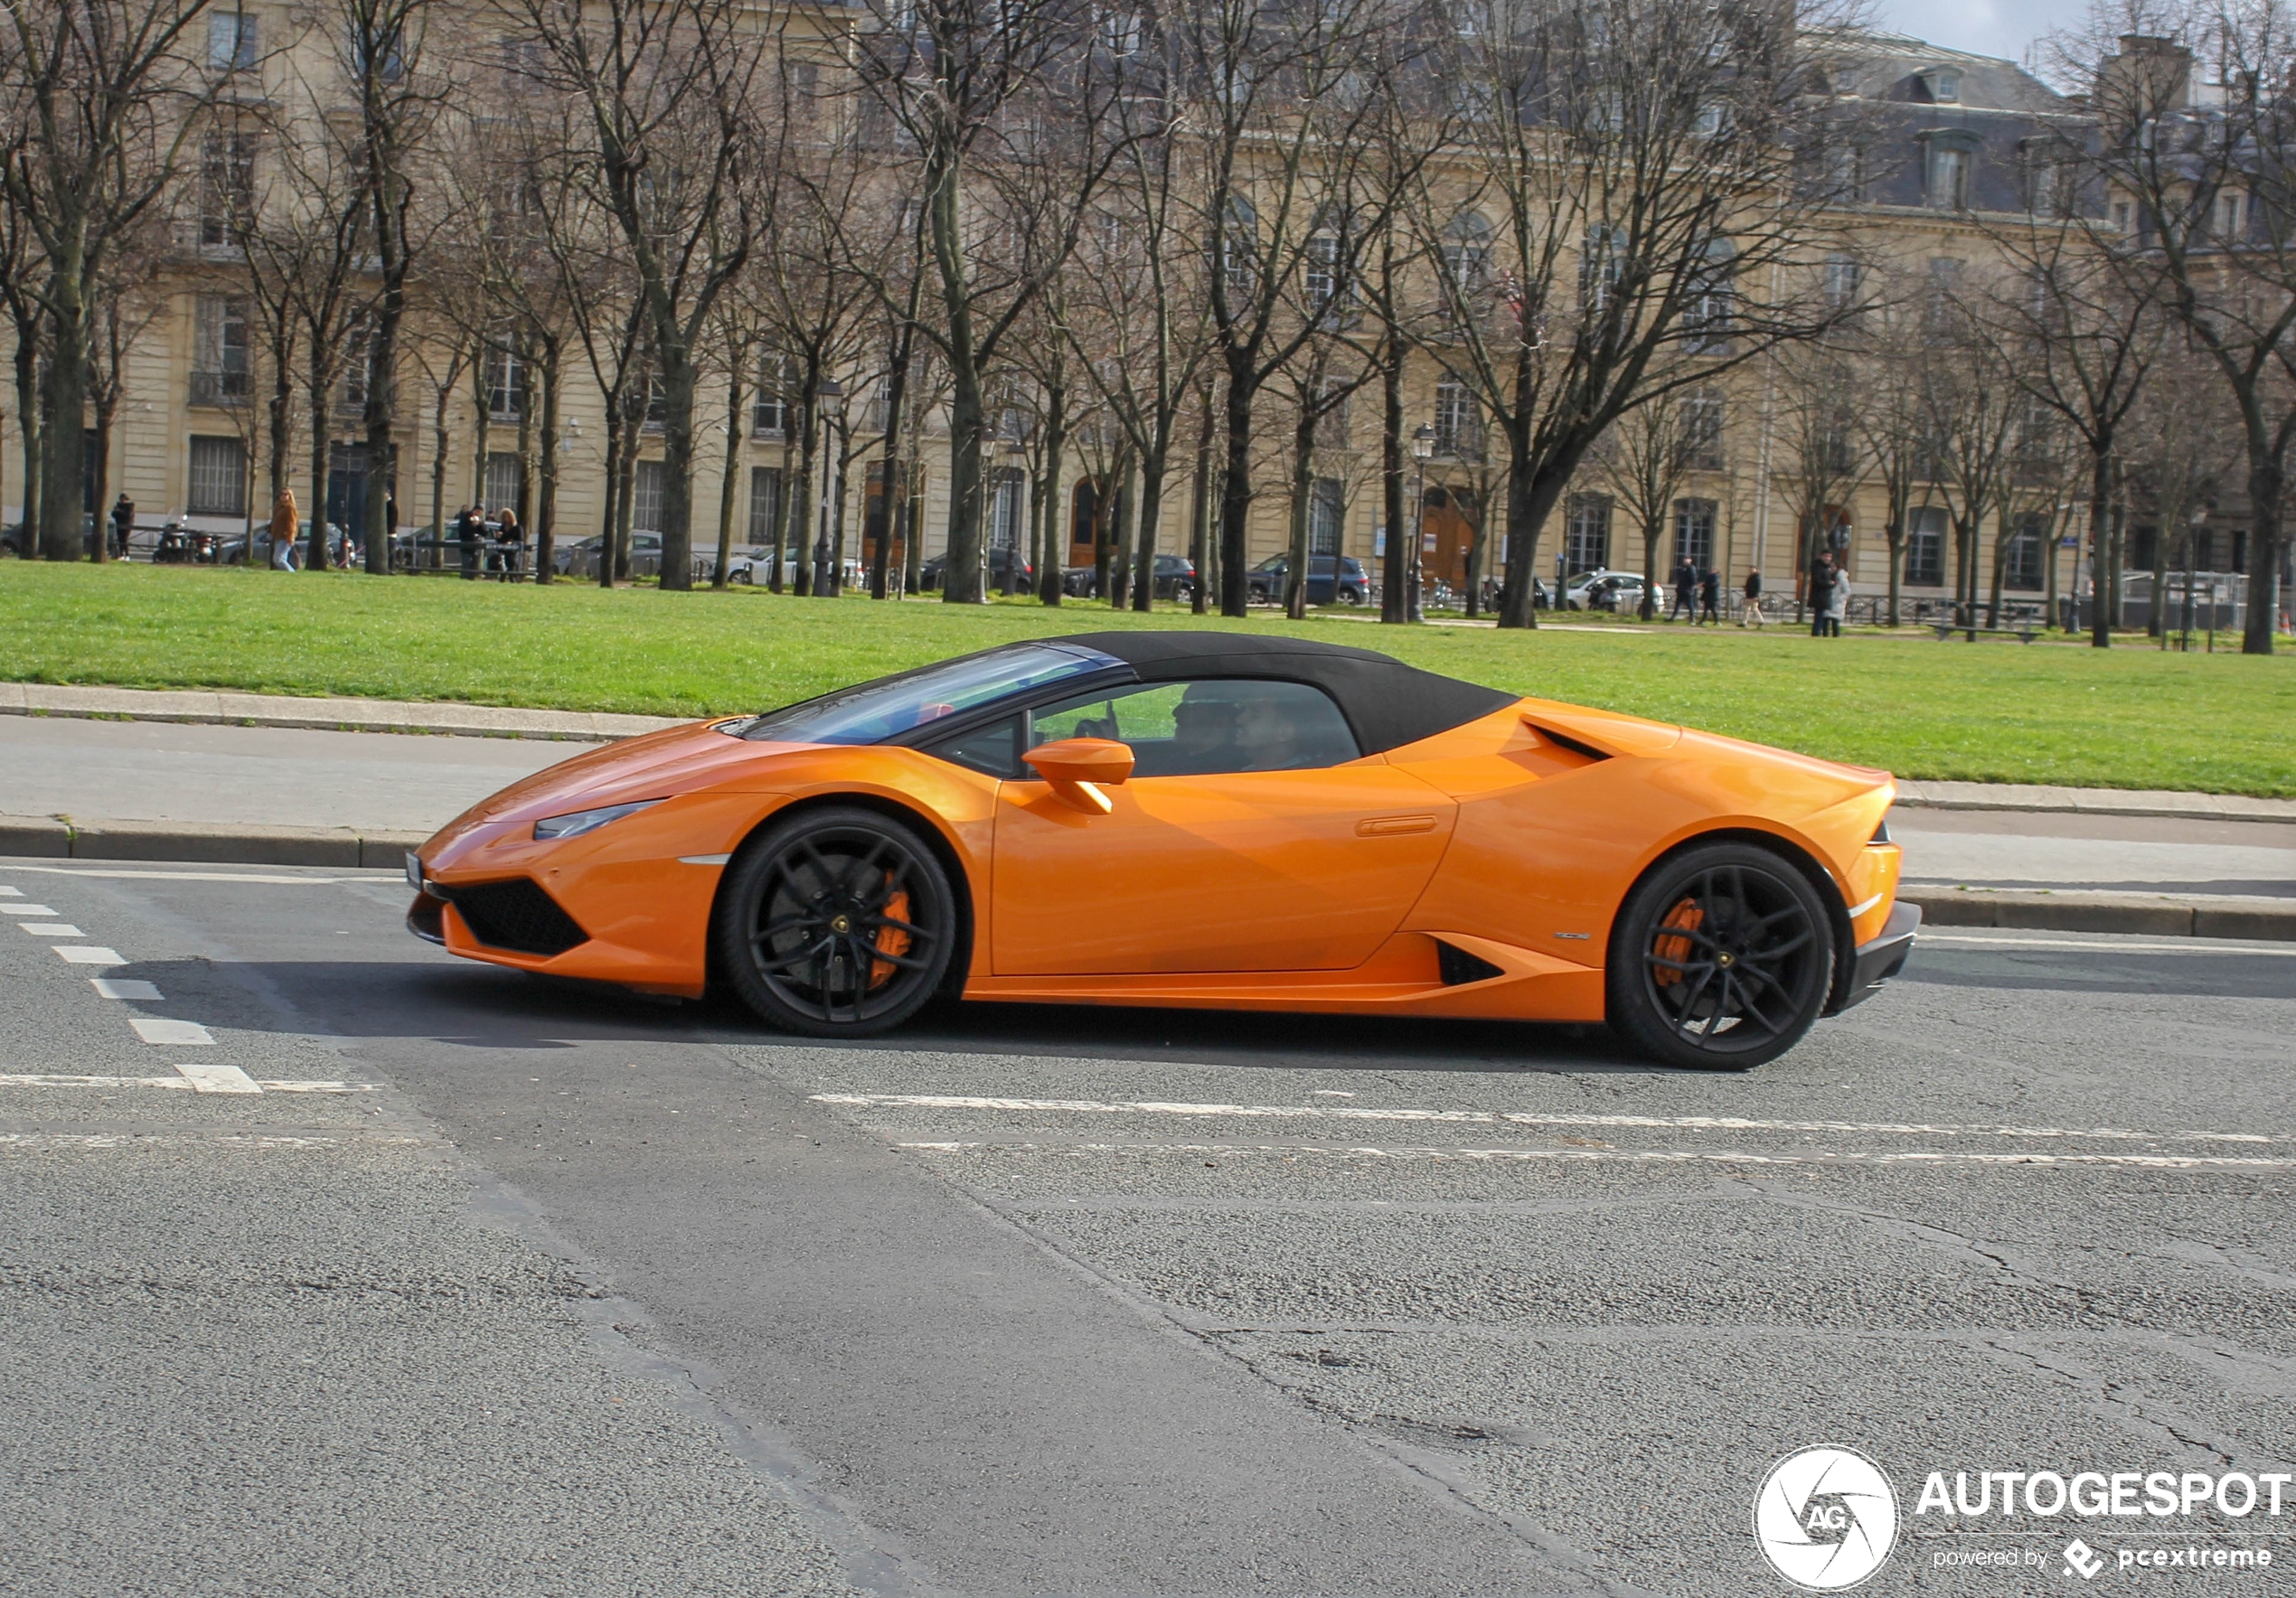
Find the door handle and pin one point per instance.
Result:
(1394, 827)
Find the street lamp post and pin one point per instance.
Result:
(1423, 443)
(830, 401)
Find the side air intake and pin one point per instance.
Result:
(1459, 967)
(518, 915)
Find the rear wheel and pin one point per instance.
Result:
(838, 923)
(1721, 958)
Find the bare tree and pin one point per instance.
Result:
(1642, 461)
(1827, 452)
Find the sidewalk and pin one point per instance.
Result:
(122, 774)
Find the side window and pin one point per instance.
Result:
(1209, 727)
(994, 748)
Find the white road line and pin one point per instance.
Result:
(52, 929)
(123, 987)
(153, 1029)
(204, 875)
(2218, 946)
(212, 1078)
(931, 1101)
(1632, 1156)
(32, 910)
(88, 953)
(121, 1140)
(178, 1082)
(10, 893)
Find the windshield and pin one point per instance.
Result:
(875, 712)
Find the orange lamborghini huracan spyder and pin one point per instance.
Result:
(1202, 819)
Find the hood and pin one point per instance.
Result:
(653, 766)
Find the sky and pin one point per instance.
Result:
(1986, 27)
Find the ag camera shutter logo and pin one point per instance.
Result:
(1826, 1518)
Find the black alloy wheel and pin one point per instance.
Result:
(837, 922)
(1721, 958)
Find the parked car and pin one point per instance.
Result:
(747, 565)
(1008, 568)
(1328, 575)
(1175, 579)
(1615, 591)
(19, 540)
(580, 559)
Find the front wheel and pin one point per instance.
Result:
(837, 922)
(1721, 958)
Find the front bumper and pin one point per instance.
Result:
(1878, 961)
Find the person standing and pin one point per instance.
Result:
(511, 559)
(1685, 586)
(1711, 597)
(1837, 602)
(285, 520)
(1820, 593)
(471, 528)
(1753, 612)
(123, 522)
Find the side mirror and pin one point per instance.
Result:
(1078, 767)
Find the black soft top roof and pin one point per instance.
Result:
(1387, 703)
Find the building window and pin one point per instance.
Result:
(765, 505)
(1008, 494)
(2021, 564)
(648, 492)
(358, 367)
(1601, 261)
(1239, 250)
(2120, 216)
(1326, 515)
(226, 189)
(1458, 422)
(1945, 86)
(231, 41)
(1325, 270)
(1586, 535)
(218, 478)
(1926, 548)
(219, 361)
(1694, 532)
(1701, 433)
(503, 479)
(777, 379)
(1845, 282)
(1948, 176)
(1706, 318)
(505, 386)
(2231, 212)
(1466, 260)
(1941, 317)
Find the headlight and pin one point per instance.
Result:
(575, 822)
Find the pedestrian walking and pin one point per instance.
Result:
(284, 521)
(1753, 611)
(123, 522)
(1711, 597)
(1685, 589)
(1837, 602)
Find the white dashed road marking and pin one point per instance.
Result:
(153, 1029)
(179, 1084)
(1630, 1156)
(929, 1101)
(34, 911)
(2220, 948)
(121, 987)
(52, 929)
(210, 1078)
(88, 953)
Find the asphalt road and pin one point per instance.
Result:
(424, 1278)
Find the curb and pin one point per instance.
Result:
(326, 715)
(2076, 911)
(2148, 802)
(39, 837)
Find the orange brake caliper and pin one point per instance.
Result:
(1689, 918)
(890, 940)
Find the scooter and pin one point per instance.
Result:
(175, 546)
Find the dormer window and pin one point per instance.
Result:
(1949, 159)
(1945, 86)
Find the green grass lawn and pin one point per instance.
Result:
(2129, 716)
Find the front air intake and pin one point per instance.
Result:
(516, 914)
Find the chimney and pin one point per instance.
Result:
(2151, 76)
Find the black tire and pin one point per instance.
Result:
(1689, 936)
(745, 579)
(804, 900)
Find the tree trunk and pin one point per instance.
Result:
(1523, 514)
(441, 443)
(322, 446)
(1303, 495)
(1152, 469)
(890, 478)
(961, 571)
(63, 452)
(29, 400)
(2099, 540)
(106, 404)
(1897, 564)
(1056, 543)
(799, 495)
(838, 464)
(730, 480)
(1120, 559)
(1200, 514)
(2264, 482)
(625, 493)
(1236, 490)
(1394, 576)
(678, 382)
(616, 469)
(281, 420)
(1649, 608)
(546, 509)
